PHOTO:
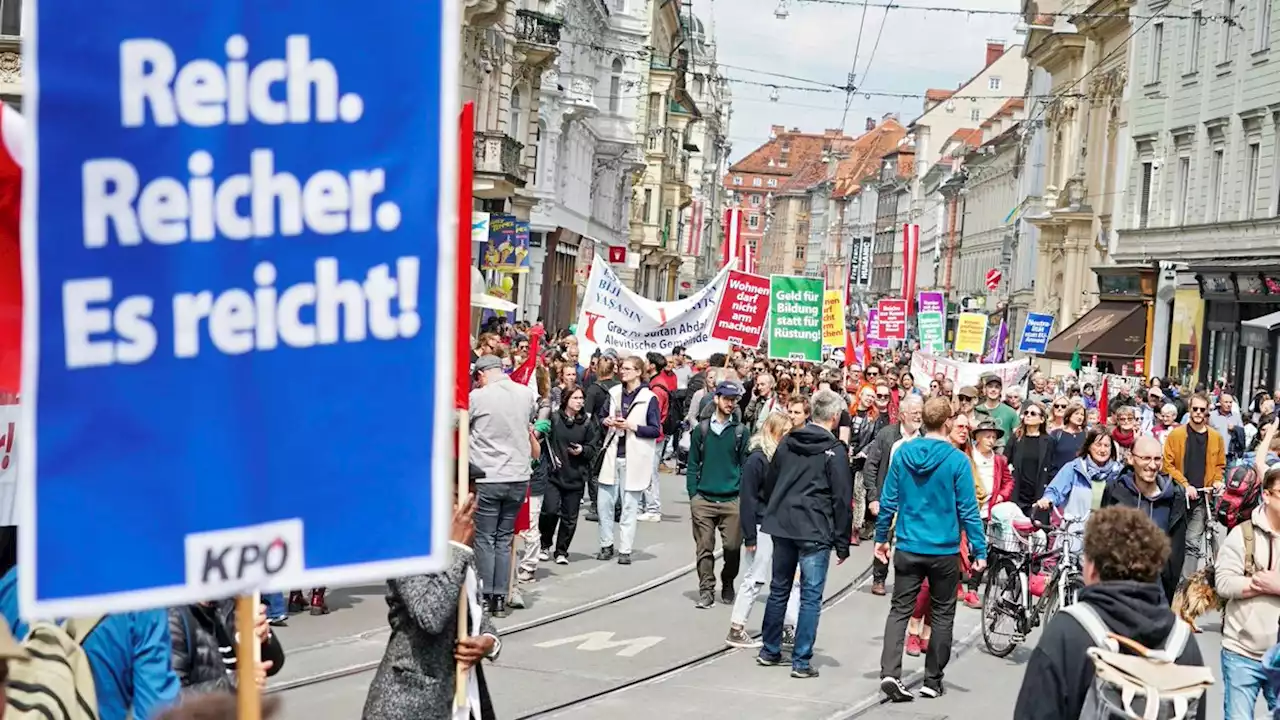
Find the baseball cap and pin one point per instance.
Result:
(728, 388)
(988, 378)
(488, 362)
(968, 391)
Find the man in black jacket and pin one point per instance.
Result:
(879, 453)
(810, 491)
(1144, 487)
(1124, 554)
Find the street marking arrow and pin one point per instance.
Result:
(603, 640)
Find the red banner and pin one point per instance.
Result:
(744, 306)
(891, 317)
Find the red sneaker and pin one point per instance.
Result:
(971, 599)
(914, 645)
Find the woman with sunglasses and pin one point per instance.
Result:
(1065, 442)
(1025, 452)
(1057, 412)
(1125, 432)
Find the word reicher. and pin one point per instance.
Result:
(100, 331)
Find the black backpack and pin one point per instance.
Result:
(671, 421)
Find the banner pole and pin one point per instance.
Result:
(248, 694)
(462, 363)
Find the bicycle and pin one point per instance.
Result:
(1012, 561)
(1209, 543)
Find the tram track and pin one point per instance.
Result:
(847, 590)
(504, 632)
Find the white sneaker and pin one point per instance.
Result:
(544, 555)
(650, 517)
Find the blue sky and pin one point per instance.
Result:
(917, 50)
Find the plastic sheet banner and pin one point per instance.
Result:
(833, 319)
(931, 327)
(795, 318)
(971, 333)
(925, 366)
(613, 316)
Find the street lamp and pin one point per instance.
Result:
(781, 12)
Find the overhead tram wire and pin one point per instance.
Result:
(1227, 19)
(853, 71)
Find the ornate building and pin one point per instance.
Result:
(585, 150)
(708, 151)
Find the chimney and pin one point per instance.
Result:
(777, 130)
(995, 48)
(833, 132)
(871, 124)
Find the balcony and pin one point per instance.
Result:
(537, 35)
(498, 167)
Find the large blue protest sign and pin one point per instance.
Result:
(1035, 333)
(239, 264)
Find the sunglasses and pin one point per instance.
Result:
(883, 396)
(1056, 406)
(967, 398)
(1031, 414)
(1200, 409)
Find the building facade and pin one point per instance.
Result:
(893, 209)
(700, 222)
(584, 149)
(1086, 123)
(1203, 202)
(666, 114)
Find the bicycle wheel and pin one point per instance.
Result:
(1002, 605)
(1074, 585)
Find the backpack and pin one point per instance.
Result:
(1240, 495)
(56, 683)
(670, 419)
(1250, 563)
(739, 432)
(1143, 684)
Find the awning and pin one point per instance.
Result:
(1266, 322)
(1111, 330)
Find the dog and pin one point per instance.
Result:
(1195, 596)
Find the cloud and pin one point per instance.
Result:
(917, 50)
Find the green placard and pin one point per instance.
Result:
(795, 318)
(932, 332)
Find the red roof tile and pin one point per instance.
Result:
(802, 148)
(865, 157)
(936, 95)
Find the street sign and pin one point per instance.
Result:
(993, 279)
(892, 318)
(239, 331)
(617, 254)
(1035, 333)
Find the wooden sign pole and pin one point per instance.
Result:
(248, 694)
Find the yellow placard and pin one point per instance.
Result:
(971, 333)
(833, 318)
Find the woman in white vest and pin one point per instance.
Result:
(633, 423)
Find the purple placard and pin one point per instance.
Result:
(932, 302)
(873, 331)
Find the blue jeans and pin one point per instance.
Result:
(813, 560)
(606, 499)
(276, 606)
(497, 505)
(1242, 679)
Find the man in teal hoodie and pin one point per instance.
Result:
(717, 449)
(930, 491)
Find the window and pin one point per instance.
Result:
(1184, 188)
(782, 162)
(1262, 26)
(755, 201)
(1193, 42)
(1144, 200)
(648, 204)
(755, 182)
(655, 107)
(993, 83)
(975, 115)
(1224, 39)
(1254, 160)
(11, 17)
(615, 86)
(517, 118)
(1157, 53)
(800, 252)
(619, 5)
(753, 222)
(737, 179)
(537, 151)
(773, 182)
(1215, 185)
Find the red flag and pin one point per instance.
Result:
(1102, 400)
(734, 252)
(848, 347)
(12, 132)
(910, 260)
(524, 373)
(524, 518)
(462, 316)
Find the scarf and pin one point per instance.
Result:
(1124, 438)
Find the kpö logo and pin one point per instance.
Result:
(245, 556)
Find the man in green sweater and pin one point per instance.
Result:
(992, 408)
(717, 449)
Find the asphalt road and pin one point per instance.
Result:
(650, 654)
